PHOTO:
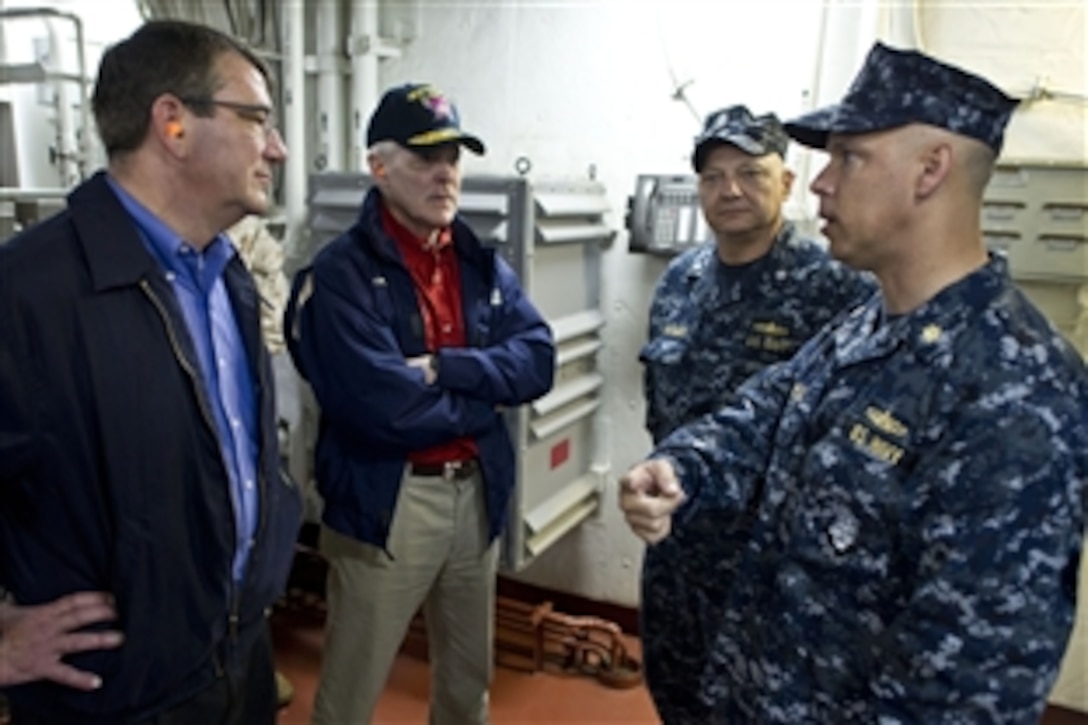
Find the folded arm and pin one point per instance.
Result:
(361, 377)
(519, 364)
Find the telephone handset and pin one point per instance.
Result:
(663, 215)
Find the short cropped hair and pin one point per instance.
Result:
(162, 56)
(979, 162)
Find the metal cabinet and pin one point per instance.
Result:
(1037, 214)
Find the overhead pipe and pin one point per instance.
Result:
(814, 100)
(294, 86)
(331, 128)
(66, 155)
(23, 193)
(364, 75)
(845, 34)
(366, 48)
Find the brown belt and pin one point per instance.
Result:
(450, 470)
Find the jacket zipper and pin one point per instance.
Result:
(232, 618)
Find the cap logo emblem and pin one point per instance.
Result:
(439, 106)
(432, 100)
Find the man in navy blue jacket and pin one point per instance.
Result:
(138, 452)
(414, 338)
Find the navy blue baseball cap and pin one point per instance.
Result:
(755, 135)
(896, 87)
(418, 115)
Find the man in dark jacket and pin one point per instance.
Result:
(414, 337)
(138, 453)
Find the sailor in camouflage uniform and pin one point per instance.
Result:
(722, 312)
(914, 480)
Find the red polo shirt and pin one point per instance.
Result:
(437, 277)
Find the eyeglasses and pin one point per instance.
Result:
(263, 116)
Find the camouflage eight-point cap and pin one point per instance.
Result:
(897, 87)
(736, 125)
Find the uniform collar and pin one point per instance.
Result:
(931, 329)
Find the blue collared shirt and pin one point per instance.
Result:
(197, 280)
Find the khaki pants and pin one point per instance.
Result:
(442, 561)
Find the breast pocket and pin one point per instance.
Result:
(667, 360)
(854, 500)
(670, 388)
(397, 308)
(664, 351)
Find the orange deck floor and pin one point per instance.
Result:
(516, 697)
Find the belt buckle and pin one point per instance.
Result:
(450, 470)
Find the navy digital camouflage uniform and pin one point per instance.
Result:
(915, 491)
(708, 333)
(706, 337)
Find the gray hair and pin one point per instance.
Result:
(383, 149)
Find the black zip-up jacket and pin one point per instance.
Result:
(111, 476)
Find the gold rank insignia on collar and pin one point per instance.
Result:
(931, 334)
(676, 331)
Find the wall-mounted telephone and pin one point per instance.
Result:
(663, 215)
